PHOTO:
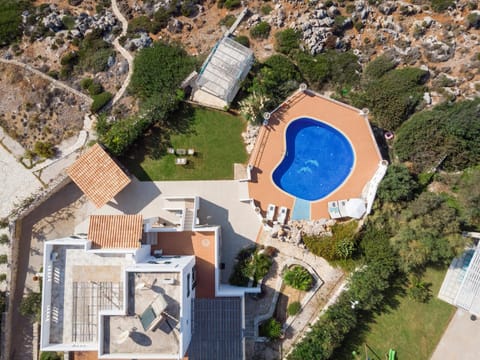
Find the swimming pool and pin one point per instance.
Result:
(317, 160)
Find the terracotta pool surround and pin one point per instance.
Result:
(271, 145)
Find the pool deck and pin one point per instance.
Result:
(270, 148)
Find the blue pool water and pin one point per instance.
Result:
(318, 159)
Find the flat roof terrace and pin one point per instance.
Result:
(199, 244)
(143, 290)
(270, 148)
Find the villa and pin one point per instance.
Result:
(143, 284)
(146, 275)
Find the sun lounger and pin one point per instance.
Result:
(181, 152)
(271, 212)
(152, 315)
(180, 161)
(333, 210)
(282, 215)
(170, 151)
(191, 151)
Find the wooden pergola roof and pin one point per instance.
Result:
(98, 176)
(115, 231)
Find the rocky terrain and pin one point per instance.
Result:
(33, 110)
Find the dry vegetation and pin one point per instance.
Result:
(33, 110)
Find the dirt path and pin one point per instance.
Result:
(85, 97)
(122, 51)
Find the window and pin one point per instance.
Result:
(194, 277)
(188, 285)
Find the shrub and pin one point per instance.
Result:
(397, 185)
(251, 264)
(3, 223)
(266, 9)
(100, 100)
(31, 305)
(277, 78)
(45, 149)
(448, 132)
(260, 31)
(86, 83)
(378, 67)
(473, 20)
(11, 20)
(69, 22)
(287, 41)
(299, 278)
(4, 239)
(95, 88)
(228, 20)
(341, 245)
(393, 97)
(442, 5)
(242, 39)
(271, 329)
(3, 259)
(3, 277)
(315, 69)
(232, 4)
(418, 289)
(294, 308)
(50, 355)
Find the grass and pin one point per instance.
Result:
(215, 136)
(413, 329)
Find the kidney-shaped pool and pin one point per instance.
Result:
(317, 160)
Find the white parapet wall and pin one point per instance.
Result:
(370, 190)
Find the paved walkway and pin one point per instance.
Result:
(219, 205)
(122, 51)
(460, 340)
(17, 182)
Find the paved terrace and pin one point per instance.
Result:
(270, 148)
(219, 205)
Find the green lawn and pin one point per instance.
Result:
(215, 136)
(413, 329)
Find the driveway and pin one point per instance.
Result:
(460, 340)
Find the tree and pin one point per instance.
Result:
(100, 100)
(397, 185)
(393, 97)
(253, 106)
(298, 278)
(469, 195)
(315, 69)
(287, 41)
(277, 78)
(447, 135)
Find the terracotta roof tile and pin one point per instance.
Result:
(115, 231)
(98, 176)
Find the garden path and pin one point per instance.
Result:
(334, 283)
(122, 51)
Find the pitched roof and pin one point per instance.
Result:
(115, 231)
(98, 176)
